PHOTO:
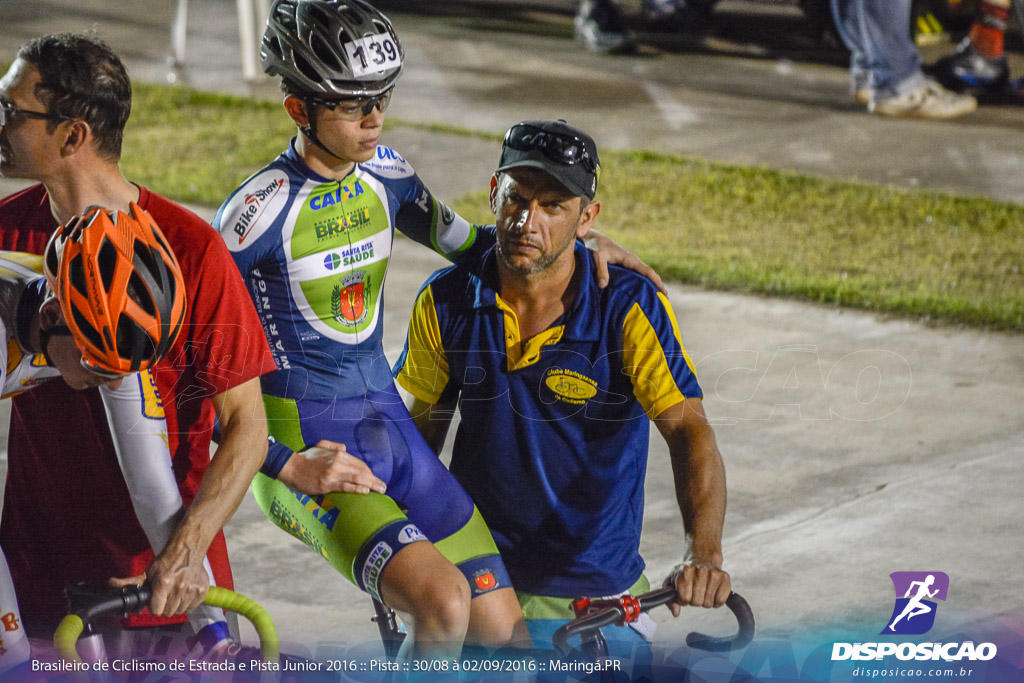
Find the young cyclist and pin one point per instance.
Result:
(312, 235)
(111, 305)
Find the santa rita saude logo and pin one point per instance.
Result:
(914, 614)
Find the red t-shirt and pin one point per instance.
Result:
(67, 515)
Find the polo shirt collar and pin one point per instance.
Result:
(582, 321)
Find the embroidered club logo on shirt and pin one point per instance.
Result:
(570, 386)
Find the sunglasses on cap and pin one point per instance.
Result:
(559, 147)
(357, 109)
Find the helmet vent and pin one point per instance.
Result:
(273, 45)
(323, 53)
(76, 276)
(286, 15)
(144, 254)
(132, 341)
(140, 295)
(86, 329)
(107, 260)
(307, 69)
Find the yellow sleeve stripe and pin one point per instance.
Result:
(675, 330)
(643, 360)
(20, 264)
(424, 373)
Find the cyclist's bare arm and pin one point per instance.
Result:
(177, 576)
(432, 420)
(700, 491)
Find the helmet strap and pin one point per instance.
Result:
(310, 130)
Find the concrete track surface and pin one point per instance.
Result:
(855, 446)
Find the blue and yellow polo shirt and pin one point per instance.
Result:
(552, 444)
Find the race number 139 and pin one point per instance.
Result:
(373, 54)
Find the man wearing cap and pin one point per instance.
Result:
(556, 380)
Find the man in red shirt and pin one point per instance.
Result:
(67, 515)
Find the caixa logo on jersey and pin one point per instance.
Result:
(913, 614)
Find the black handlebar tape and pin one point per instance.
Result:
(744, 617)
(91, 603)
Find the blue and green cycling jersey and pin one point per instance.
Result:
(314, 253)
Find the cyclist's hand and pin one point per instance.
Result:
(606, 250)
(699, 585)
(328, 467)
(178, 586)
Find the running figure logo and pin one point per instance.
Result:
(914, 613)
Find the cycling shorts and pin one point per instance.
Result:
(359, 534)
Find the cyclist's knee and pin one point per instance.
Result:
(496, 620)
(419, 582)
(444, 610)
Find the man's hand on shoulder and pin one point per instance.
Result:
(701, 584)
(328, 467)
(605, 250)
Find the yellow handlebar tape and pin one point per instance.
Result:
(71, 626)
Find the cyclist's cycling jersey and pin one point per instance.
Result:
(134, 413)
(315, 253)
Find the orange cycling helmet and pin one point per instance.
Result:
(119, 286)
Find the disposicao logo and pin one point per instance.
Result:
(914, 614)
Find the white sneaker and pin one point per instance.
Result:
(930, 101)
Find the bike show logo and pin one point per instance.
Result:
(348, 299)
(913, 614)
(263, 192)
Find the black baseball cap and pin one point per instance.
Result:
(565, 153)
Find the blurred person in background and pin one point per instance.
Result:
(599, 25)
(885, 67)
(979, 64)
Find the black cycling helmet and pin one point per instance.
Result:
(305, 43)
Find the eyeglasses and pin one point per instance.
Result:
(565, 149)
(8, 113)
(359, 108)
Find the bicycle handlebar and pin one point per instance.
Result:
(90, 603)
(599, 613)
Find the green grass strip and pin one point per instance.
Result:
(919, 254)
